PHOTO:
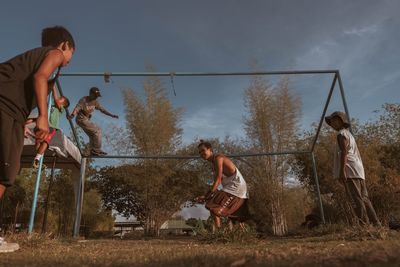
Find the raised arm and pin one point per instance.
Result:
(57, 99)
(104, 111)
(52, 61)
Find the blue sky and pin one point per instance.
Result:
(360, 38)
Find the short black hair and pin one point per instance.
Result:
(54, 36)
(204, 143)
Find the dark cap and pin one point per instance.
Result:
(95, 91)
(340, 115)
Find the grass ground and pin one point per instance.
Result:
(349, 249)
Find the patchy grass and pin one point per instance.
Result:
(238, 235)
(346, 233)
(327, 247)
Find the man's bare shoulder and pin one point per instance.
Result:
(224, 158)
(220, 156)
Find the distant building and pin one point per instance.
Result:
(121, 228)
(176, 227)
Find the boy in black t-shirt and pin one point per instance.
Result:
(23, 87)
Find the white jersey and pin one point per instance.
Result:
(354, 167)
(235, 185)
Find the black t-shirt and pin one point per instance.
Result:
(17, 94)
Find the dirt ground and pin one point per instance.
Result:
(293, 251)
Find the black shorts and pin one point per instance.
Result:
(11, 145)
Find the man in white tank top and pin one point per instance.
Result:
(348, 167)
(230, 201)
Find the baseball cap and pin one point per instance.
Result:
(95, 90)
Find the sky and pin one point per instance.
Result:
(359, 38)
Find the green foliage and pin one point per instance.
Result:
(378, 142)
(344, 232)
(15, 195)
(17, 201)
(117, 191)
(154, 190)
(193, 222)
(17, 204)
(151, 190)
(238, 234)
(63, 202)
(297, 202)
(94, 217)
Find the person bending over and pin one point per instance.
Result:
(230, 200)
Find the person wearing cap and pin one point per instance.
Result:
(83, 112)
(348, 167)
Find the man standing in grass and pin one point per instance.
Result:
(349, 168)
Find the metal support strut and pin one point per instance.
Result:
(39, 174)
(79, 198)
(321, 208)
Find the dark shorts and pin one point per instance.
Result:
(223, 204)
(11, 145)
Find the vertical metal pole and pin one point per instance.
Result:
(79, 198)
(321, 121)
(46, 207)
(346, 109)
(321, 208)
(70, 122)
(39, 174)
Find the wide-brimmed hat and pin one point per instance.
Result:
(341, 115)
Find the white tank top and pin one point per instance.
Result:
(354, 167)
(235, 185)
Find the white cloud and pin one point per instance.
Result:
(202, 119)
(371, 29)
(318, 56)
(212, 122)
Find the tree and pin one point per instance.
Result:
(11, 205)
(380, 147)
(117, 188)
(153, 124)
(63, 203)
(270, 125)
(337, 208)
(151, 190)
(378, 142)
(94, 216)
